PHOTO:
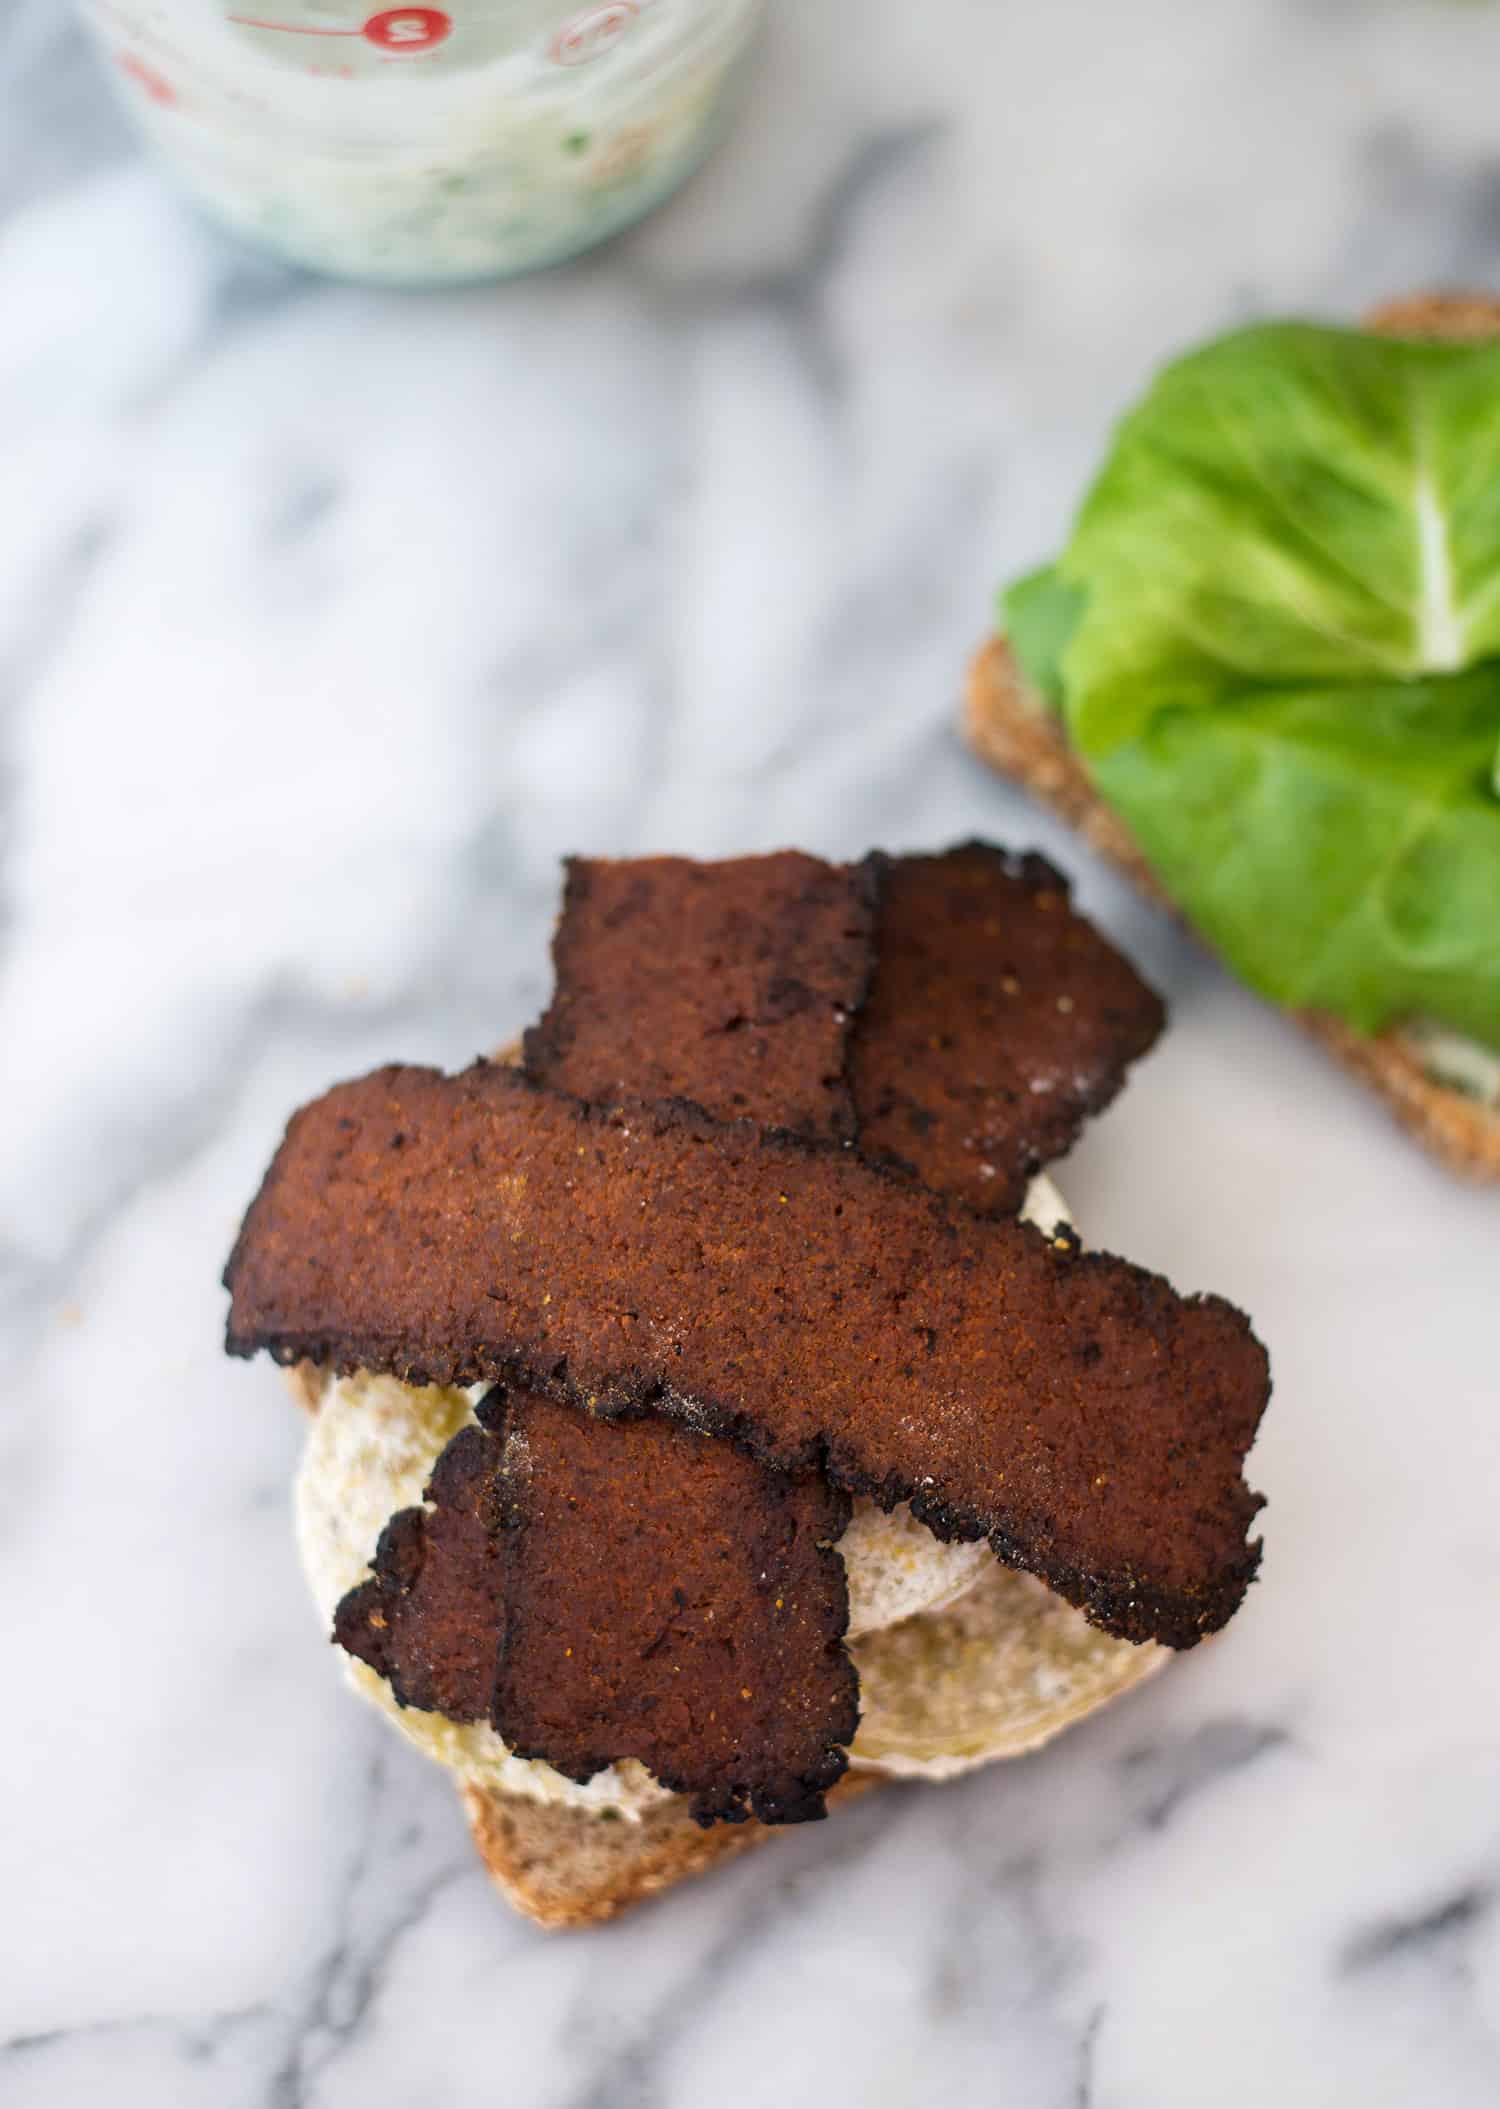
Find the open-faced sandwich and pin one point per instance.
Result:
(715, 1413)
(1263, 678)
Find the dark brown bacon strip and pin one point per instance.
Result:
(731, 984)
(429, 1618)
(602, 1591)
(998, 1021)
(952, 1014)
(1072, 1408)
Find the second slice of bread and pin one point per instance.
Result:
(1009, 727)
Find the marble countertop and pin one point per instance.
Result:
(328, 621)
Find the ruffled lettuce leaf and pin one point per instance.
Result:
(1275, 640)
(1041, 613)
(1348, 865)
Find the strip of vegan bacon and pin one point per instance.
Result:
(952, 1014)
(998, 1020)
(601, 1591)
(731, 984)
(1073, 1408)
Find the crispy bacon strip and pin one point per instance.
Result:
(998, 1021)
(731, 984)
(952, 1014)
(602, 1591)
(1072, 1408)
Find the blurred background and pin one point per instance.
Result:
(330, 619)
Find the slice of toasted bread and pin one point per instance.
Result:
(1011, 729)
(568, 1867)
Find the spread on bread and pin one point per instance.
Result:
(707, 1332)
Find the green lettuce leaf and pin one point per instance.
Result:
(1275, 639)
(1041, 613)
(1347, 863)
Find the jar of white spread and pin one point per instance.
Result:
(426, 145)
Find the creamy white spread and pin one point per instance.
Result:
(428, 144)
(370, 1452)
(1455, 1060)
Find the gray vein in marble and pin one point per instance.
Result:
(306, 505)
(868, 622)
(958, 1976)
(477, 1016)
(1035, 1995)
(522, 687)
(634, 2063)
(197, 2036)
(60, 123)
(44, 630)
(248, 285)
(793, 292)
(1172, 1775)
(240, 290)
(1088, 2046)
(347, 1980)
(54, 605)
(1422, 1934)
(33, 1284)
(305, 2028)
(1427, 217)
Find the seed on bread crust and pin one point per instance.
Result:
(787, 1295)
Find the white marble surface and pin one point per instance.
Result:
(327, 622)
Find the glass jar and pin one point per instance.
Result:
(429, 145)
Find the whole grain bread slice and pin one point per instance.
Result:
(1011, 729)
(567, 1867)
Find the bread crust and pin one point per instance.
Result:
(566, 1868)
(1010, 729)
(1456, 317)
